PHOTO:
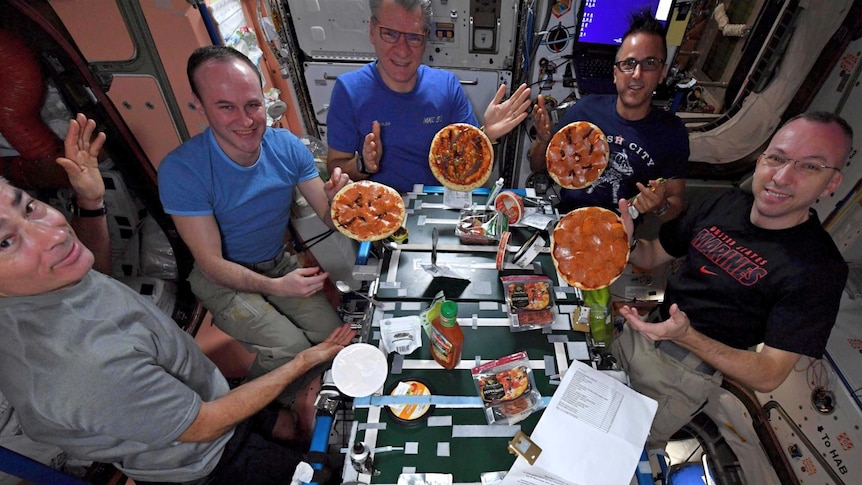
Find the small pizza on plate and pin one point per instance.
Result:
(461, 157)
(367, 211)
(577, 155)
(590, 248)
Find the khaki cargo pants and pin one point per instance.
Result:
(274, 328)
(680, 390)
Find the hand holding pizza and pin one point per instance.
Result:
(626, 218)
(337, 180)
(501, 118)
(372, 149)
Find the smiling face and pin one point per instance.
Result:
(232, 100)
(782, 195)
(635, 89)
(39, 252)
(397, 63)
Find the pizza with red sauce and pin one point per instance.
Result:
(590, 248)
(367, 211)
(577, 155)
(461, 157)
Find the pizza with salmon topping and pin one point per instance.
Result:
(461, 157)
(577, 155)
(590, 248)
(367, 211)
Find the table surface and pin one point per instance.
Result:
(459, 440)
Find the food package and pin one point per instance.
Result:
(401, 334)
(530, 301)
(507, 389)
(510, 204)
(479, 226)
(410, 414)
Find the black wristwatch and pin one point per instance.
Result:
(79, 212)
(360, 165)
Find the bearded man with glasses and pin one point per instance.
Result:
(649, 147)
(758, 268)
(383, 116)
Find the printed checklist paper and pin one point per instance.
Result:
(592, 433)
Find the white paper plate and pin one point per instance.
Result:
(359, 370)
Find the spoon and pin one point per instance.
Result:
(344, 288)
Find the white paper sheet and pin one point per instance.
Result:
(453, 199)
(592, 433)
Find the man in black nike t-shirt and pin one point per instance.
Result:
(759, 268)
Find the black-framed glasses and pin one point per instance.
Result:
(801, 166)
(391, 36)
(648, 64)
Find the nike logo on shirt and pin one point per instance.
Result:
(706, 271)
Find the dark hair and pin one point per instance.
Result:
(218, 53)
(643, 22)
(408, 5)
(825, 117)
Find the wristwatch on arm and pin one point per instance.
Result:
(79, 212)
(360, 165)
(662, 209)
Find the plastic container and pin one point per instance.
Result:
(410, 414)
(447, 338)
(601, 326)
(510, 204)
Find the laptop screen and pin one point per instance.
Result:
(605, 21)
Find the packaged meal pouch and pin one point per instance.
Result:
(530, 302)
(479, 226)
(507, 389)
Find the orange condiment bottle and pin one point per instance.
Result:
(447, 339)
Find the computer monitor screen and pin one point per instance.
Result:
(605, 21)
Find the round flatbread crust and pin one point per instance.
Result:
(590, 248)
(367, 211)
(577, 155)
(461, 157)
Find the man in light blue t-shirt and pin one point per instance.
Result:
(383, 116)
(229, 191)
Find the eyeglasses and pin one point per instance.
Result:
(801, 166)
(391, 36)
(648, 64)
